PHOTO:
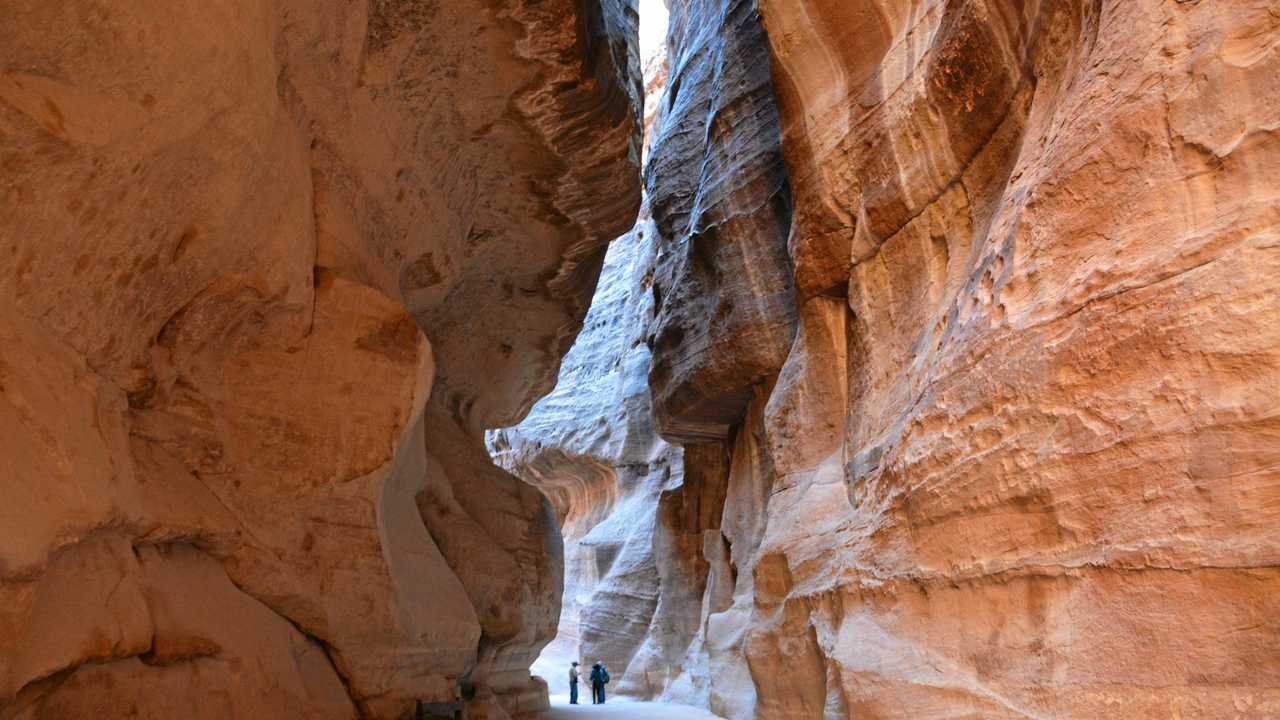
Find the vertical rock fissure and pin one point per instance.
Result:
(676, 381)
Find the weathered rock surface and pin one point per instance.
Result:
(937, 380)
(269, 270)
(994, 406)
(1062, 289)
(720, 199)
(591, 447)
(632, 517)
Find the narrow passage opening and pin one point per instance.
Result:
(592, 448)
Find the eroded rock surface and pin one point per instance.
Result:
(1022, 465)
(937, 380)
(633, 518)
(720, 198)
(988, 368)
(1062, 324)
(270, 268)
(591, 447)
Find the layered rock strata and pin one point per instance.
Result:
(591, 447)
(721, 202)
(987, 366)
(632, 517)
(1052, 234)
(270, 269)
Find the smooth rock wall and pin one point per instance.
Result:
(1054, 225)
(966, 318)
(591, 447)
(270, 268)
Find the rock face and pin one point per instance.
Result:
(631, 516)
(977, 388)
(721, 202)
(270, 269)
(937, 380)
(591, 447)
(1054, 229)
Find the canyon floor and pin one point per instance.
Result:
(623, 709)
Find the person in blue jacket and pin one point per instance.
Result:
(599, 678)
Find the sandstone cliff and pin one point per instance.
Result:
(591, 447)
(632, 518)
(967, 317)
(938, 378)
(270, 268)
(1050, 370)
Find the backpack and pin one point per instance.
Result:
(604, 676)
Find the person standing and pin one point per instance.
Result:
(573, 683)
(599, 678)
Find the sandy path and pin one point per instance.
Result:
(623, 710)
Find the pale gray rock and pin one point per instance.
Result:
(591, 447)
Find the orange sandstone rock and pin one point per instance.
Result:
(245, 246)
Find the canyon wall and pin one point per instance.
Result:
(965, 321)
(938, 378)
(591, 447)
(634, 521)
(270, 268)
(1052, 231)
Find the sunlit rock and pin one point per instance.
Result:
(270, 268)
(991, 394)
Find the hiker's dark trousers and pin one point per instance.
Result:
(597, 693)
(573, 693)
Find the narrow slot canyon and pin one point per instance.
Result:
(792, 359)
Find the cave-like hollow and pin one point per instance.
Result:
(794, 359)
